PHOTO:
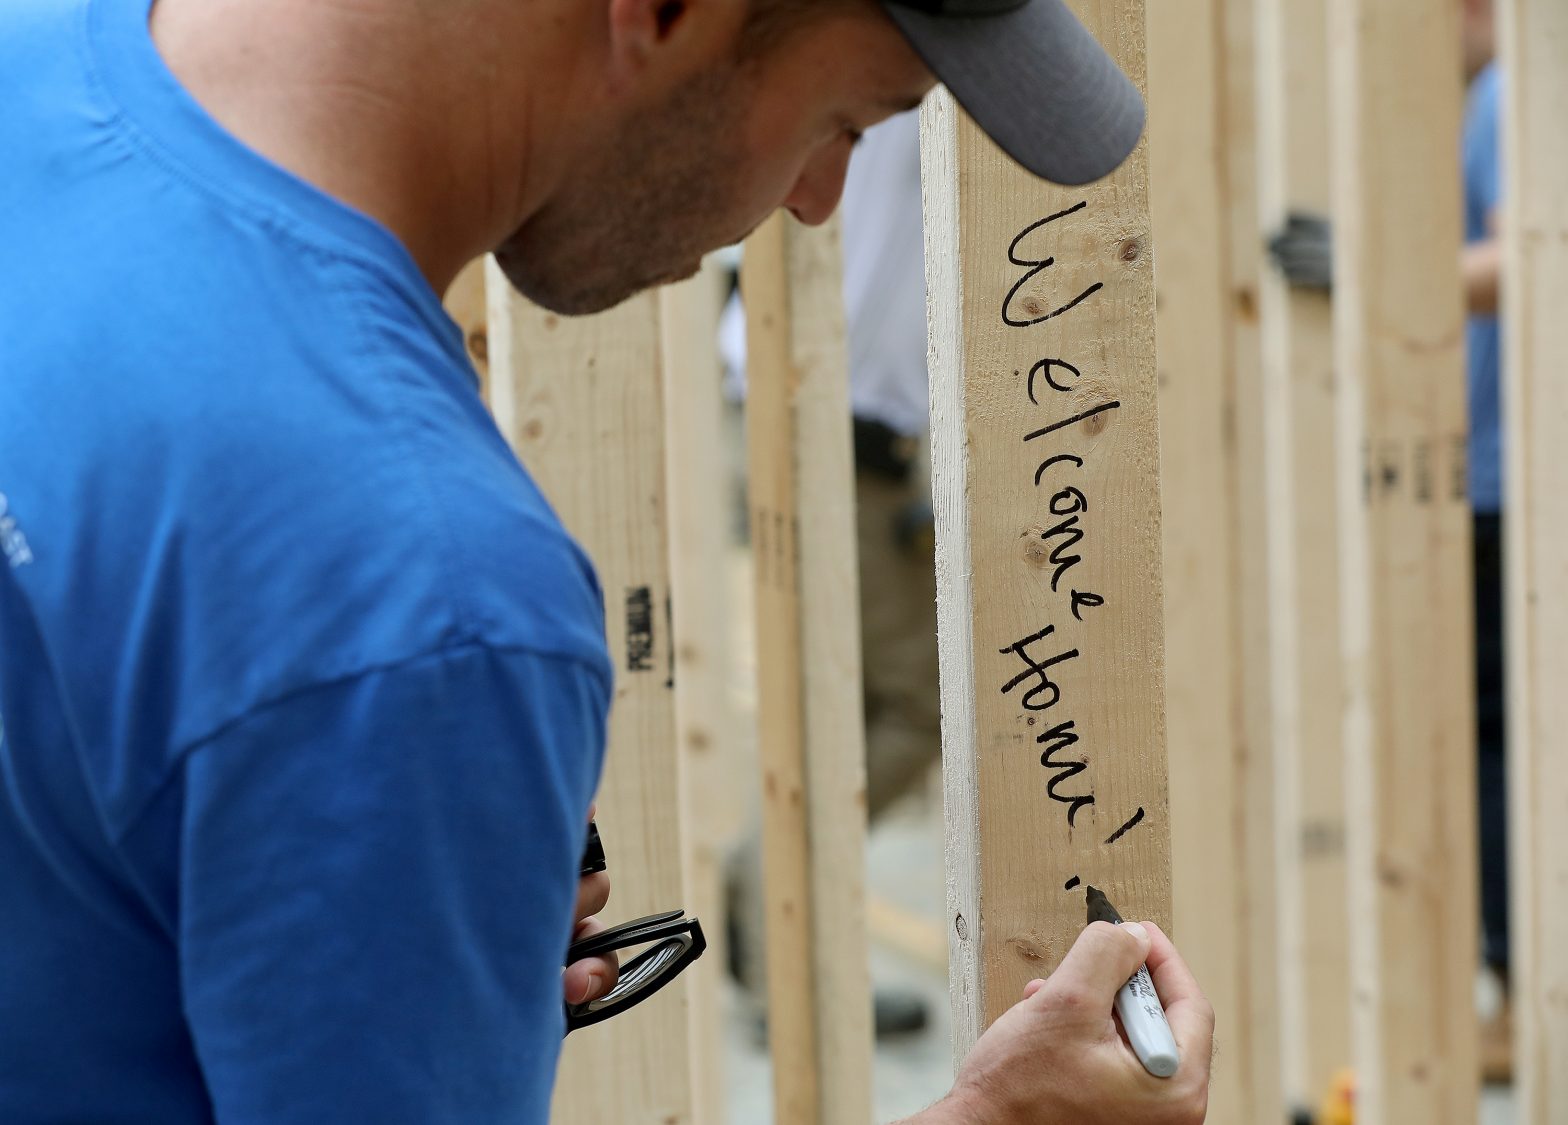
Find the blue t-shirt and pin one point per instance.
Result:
(1483, 195)
(303, 685)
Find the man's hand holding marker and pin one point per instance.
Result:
(1058, 1057)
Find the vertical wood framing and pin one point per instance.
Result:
(690, 314)
(1535, 291)
(581, 400)
(466, 303)
(1046, 450)
(1202, 176)
(1303, 560)
(808, 675)
(1264, 1097)
(1405, 592)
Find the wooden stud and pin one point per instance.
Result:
(1264, 1098)
(698, 577)
(1303, 560)
(466, 303)
(808, 674)
(1405, 594)
(1200, 79)
(581, 400)
(1046, 450)
(1535, 292)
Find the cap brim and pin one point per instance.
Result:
(1037, 82)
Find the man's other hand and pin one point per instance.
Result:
(1058, 1057)
(592, 977)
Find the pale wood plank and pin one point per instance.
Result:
(1202, 178)
(581, 400)
(1021, 831)
(811, 735)
(1264, 1097)
(1405, 592)
(1535, 292)
(1303, 545)
(1189, 201)
(701, 620)
(466, 303)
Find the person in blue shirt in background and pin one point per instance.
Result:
(1303, 251)
(303, 686)
(1482, 268)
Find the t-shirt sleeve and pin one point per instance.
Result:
(377, 886)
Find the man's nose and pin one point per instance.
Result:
(816, 193)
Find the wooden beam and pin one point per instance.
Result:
(811, 733)
(1535, 229)
(466, 304)
(1303, 560)
(1046, 452)
(1405, 588)
(1202, 179)
(699, 582)
(1264, 1097)
(581, 400)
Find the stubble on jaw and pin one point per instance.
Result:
(660, 197)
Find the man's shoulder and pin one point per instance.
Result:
(214, 541)
(406, 532)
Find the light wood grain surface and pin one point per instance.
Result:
(1046, 447)
(1203, 195)
(1303, 560)
(1405, 578)
(706, 728)
(1535, 397)
(810, 732)
(466, 302)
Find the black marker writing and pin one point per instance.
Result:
(639, 629)
(1074, 420)
(1038, 670)
(1071, 534)
(1083, 600)
(1036, 267)
(1059, 738)
(1044, 368)
(1051, 462)
(1137, 818)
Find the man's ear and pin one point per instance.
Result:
(672, 36)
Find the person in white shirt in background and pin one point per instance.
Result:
(885, 306)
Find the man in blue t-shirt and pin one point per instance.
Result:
(303, 686)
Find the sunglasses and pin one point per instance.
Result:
(673, 942)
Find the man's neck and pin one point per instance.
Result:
(421, 123)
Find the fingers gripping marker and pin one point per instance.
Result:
(1138, 1005)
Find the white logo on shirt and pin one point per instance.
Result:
(12, 541)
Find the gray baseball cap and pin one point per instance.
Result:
(1033, 78)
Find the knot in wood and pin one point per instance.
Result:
(1026, 949)
(479, 345)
